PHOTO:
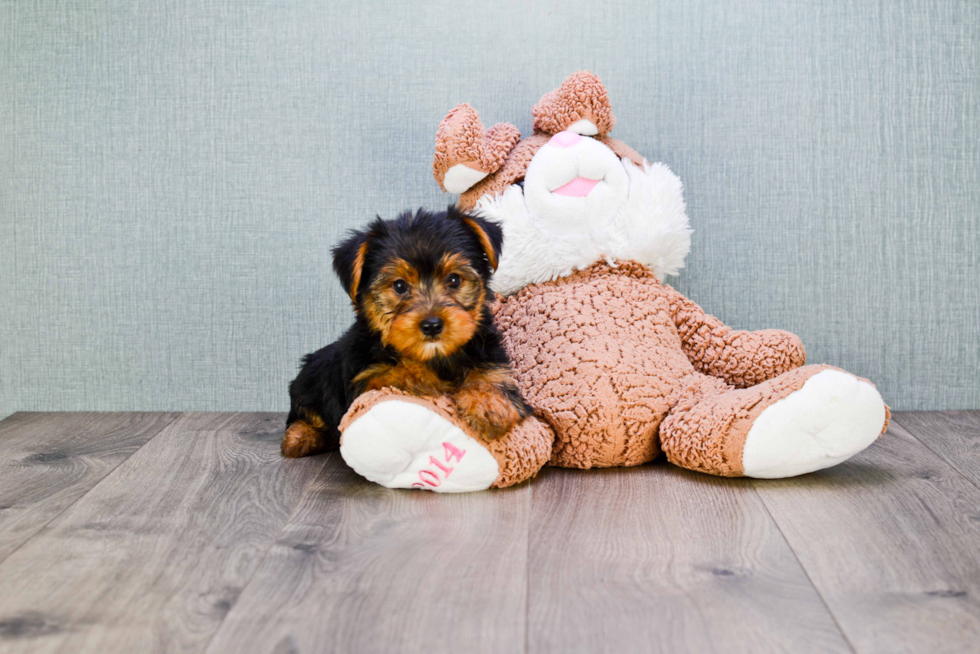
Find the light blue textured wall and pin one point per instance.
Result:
(173, 173)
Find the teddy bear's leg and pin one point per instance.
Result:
(400, 441)
(803, 420)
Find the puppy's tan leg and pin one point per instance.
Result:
(302, 439)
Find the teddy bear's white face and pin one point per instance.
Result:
(580, 203)
(574, 184)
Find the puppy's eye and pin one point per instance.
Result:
(453, 281)
(400, 286)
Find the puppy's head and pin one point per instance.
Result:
(420, 280)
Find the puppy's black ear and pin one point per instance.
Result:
(348, 262)
(489, 234)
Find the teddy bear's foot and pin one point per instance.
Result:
(400, 441)
(831, 418)
(804, 420)
(400, 444)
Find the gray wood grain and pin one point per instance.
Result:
(659, 559)
(154, 557)
(361, 568)
(204, 538)
(953, 435)
(890, 539)
(49, 460)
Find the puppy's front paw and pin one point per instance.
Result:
(487, 411)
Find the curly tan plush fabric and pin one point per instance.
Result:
(520, 453)
(607, 353)
(461, 140)
(740, 358)
(581, 96)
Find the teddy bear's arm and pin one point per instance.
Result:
(741, 358)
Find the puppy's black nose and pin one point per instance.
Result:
(431, 326)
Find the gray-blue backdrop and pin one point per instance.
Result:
(174, 172)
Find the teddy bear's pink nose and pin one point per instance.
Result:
(565, 139)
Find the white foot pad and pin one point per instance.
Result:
(830, 419)
(404, 445)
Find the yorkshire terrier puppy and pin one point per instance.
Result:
(422, 324)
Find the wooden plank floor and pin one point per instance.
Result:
(166, 532)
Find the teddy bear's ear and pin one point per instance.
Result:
(465, 153)
(579, 105)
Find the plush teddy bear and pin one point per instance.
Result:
(618, 366)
